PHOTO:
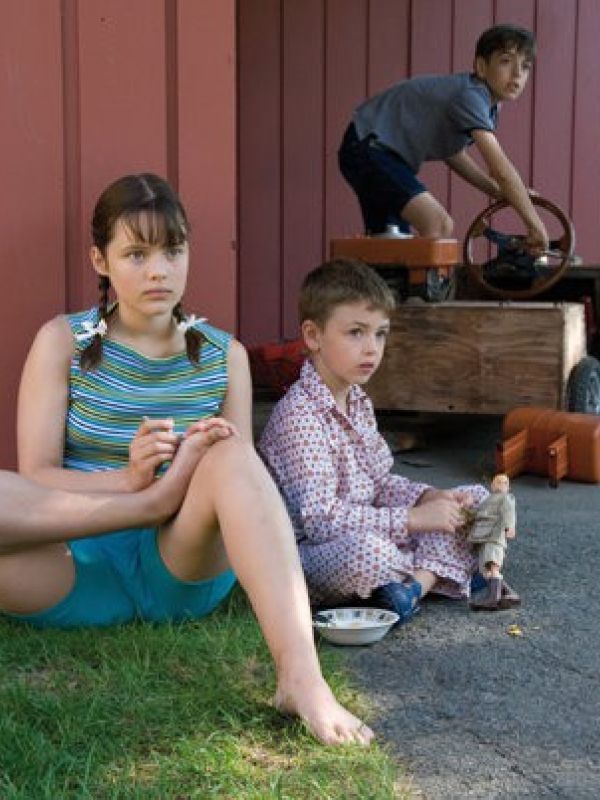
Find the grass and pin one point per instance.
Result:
(169, 712)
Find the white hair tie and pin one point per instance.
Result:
(189, 322)
(91, 330)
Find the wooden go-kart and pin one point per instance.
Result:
(474, 355)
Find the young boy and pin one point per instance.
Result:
(435, 118)
(361, 531)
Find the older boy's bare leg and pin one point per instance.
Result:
(232, 486)
(428, 217)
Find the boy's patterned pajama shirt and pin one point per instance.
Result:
(348, 510)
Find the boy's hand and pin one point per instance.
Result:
(464, 499)
(442, 513)
(537, 238)
(513, 190)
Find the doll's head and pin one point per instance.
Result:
(500, 483)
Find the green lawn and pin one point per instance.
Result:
(146, 711)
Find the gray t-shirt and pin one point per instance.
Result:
(429, 117)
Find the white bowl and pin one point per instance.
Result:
(354, 625)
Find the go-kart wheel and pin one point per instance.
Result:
(583, 390)
(513, 273)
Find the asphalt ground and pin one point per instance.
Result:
(472, 710)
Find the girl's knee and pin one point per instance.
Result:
(229, 454)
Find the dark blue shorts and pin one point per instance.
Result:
(381, 179)
(122, 577)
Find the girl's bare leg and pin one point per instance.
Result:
(232, 488)
(36, 568)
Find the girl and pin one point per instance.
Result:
(106, 397)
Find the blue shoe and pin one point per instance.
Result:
(478, 582)
(403, 598)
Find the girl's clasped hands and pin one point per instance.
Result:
(156, 443)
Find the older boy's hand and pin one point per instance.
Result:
(537, 238)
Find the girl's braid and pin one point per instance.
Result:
(92, 354)
(193, 338)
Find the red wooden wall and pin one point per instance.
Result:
(91, 90)
(305, 64)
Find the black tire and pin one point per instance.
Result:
(583, 391)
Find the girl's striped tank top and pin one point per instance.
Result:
(107, 404)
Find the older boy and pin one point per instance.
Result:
(361, 531)
(435, 118)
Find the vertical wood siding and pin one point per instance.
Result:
(305, 65)
(91, 90)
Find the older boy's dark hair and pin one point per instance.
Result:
(505, 37)
(343, 280)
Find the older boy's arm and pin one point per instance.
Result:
(512, 187)
(470, 171)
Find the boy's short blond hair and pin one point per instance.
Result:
(341, 281)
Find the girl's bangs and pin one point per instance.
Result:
(157, 226)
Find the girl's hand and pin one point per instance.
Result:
(442, 513)
(154, 443)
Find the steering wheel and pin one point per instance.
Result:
(513, 273)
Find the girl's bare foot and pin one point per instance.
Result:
(313, 702)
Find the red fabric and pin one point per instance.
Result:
(276, 365)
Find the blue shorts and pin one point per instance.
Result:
(121, 577)
(381, 179)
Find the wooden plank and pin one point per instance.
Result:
(32, 199)
(586, 153)
(122, 85)
(554, 100)
(260, 213)
(417, 251)
(303, 118)
(345, 88)
(431, 50)
(206, 149)
(515, 129)
(388, 43)
(479, 357)
(469, 21)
